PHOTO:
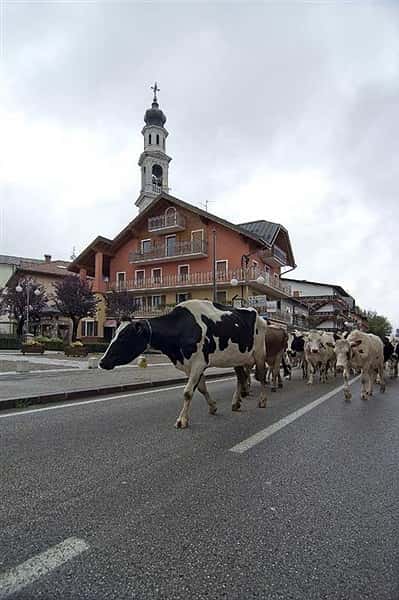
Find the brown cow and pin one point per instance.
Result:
(276, 344)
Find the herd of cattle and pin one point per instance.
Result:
(199, 334)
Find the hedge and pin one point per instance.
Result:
(9, 343)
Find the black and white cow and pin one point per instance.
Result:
(296, 351)
(197, 334)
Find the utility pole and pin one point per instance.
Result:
(214, 263)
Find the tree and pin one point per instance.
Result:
(378, 324)
(15, 302)
(74, 299)
(120, 305)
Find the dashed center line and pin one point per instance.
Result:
(28, 572)
(268, 431)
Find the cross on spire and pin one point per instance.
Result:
(156, 89)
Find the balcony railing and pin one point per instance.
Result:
(174, 221)
(280, 255)
(163, 252)
(202, 279)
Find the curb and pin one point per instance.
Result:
(8, 403)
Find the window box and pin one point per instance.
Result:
(75, 351)
(32, 348)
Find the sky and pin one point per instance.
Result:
(284, 111)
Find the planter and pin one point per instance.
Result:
(32, 349)
(75, 351)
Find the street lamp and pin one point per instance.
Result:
(19, 289)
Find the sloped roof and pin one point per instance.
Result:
(17, 260)
(336, 287)
(266, 230)
(262, 232)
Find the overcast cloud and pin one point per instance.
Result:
(281, 111)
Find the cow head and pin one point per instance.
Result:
(313, 342)
(343, 352)
(298, 342)
(130, 340)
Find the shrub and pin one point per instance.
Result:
(9, 342)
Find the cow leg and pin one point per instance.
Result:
(347, 392)
(246, 383)
(365, 385)
(382, 378)
(261, 368)
(190, 387)
(311, 372)
(241, 389)
(204, 391)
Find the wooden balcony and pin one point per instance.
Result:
(164, 253)
(202, 279)
(167, 223)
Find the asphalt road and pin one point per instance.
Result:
(133, 509)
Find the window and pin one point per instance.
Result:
(197, 237)
(170, 216)
(182, 297)
(139, 303)
(120, 279)
(146, 246)
(157, 139)
(156, 275)
(221, 270)
(140, 277)
(157, 301)
(90, 328)
(170, 245)
(184, 272)
(221, 297)
(149, 139)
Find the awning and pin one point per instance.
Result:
(110, 323)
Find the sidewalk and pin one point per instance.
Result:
(78, 382)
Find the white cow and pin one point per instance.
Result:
(317, 355)
(363, 351)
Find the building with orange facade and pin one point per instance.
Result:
(172, 251)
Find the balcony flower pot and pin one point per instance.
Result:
(78, 350)
(34, 348)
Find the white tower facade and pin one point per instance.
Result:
(154, 162)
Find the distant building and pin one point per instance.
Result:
(44, 272)
(331, 308)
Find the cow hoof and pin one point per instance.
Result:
(348, 396)
(262, 404)
(236, 407)
(181, 423)
(213, 410)
(364, 397)
(382, 388)
(280, 385)
(274, 389)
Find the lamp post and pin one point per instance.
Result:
(19, 289)
(244, 268)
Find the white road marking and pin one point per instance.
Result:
(105, 399)
(28, 572)
(268, 431)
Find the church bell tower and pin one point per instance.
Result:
(154, 162)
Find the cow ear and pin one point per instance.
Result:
(337, 336)
(330, 344)
(357, 343)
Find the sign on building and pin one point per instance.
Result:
(257, 300)
(271, 306)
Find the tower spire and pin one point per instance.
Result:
(156, 89)
(154, 162)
